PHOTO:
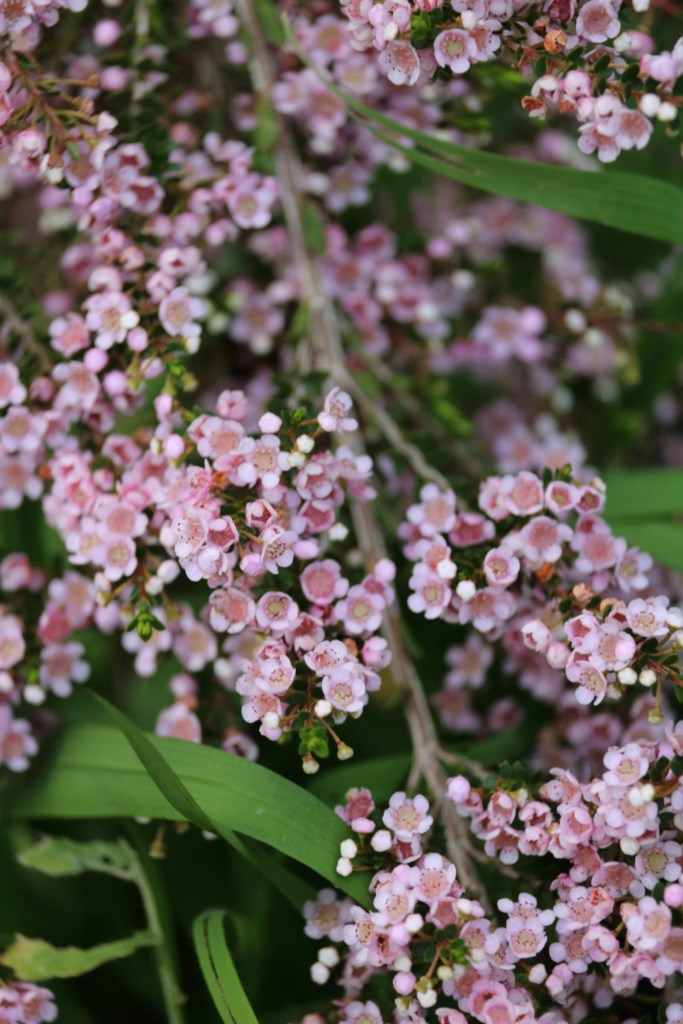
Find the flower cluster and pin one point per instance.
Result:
(584, 59)
(539, 566)
(609, 926)
(246, 511)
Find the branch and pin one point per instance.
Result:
(328, 351)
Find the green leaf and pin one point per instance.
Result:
(95, 774)
(35, 960)
(178, 795)
(58, 857)
(644, 493)
(630, 202)
(219, 970)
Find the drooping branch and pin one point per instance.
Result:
(327, 352)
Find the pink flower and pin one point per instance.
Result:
(231, 610)
(560, 497)
(436, 878)
(326, 916)
(431, 593)
(327, 655)
(488, 609)
(501, 568)
(334, 415)
(16, 741)
(459, 789)
(69, 334)
(178, 312)
(400, 62)
(178, 722)
(110, 316)
(647, 924)
(597, 21)
(61, 665)
(542, 538)
(345, 690)
(322, 582)
(276, 611)
(455, 49)
(435, 513)
(12, 391)
(261, 460)
(536, 636)
(12, 645)
(118, 558)
(360, 611)
(592, 685)
(356, 810)
(648, 617)
(37, 1004)
(522, 495)
(361, 1013)
(407, 818)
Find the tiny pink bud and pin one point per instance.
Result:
(673, 895)
(404, 982)
(174, 446)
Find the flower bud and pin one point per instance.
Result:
(319, 973)
(344, 867)
(328, 956)
(381, 841)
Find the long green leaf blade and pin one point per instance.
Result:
(94, 773)
(219, 971)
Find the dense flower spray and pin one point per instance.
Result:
(203, 465)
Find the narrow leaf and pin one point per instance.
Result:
(58, 857)
(177, 794)
(35, 960)
(95, 774)
(219, 970)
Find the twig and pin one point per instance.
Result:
(328, 351)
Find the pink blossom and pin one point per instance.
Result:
(360, 611)
(178, 312)
(61, 665)
(501, 568)
(597, 21)
(407, 818)
(647, 924)
(276, 611)
(455, 49)
(400, 62)
(334, 415)
(17, 744)
(178, 722)
(326, 916)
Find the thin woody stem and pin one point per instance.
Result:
(328, 353)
